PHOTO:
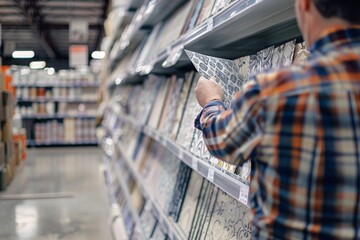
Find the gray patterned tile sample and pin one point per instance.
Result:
(283, 55)
(166, 180)
(225, 72)
(159, 103)
(204, 211)
(301, 53)
(230, 220)
(148, 222)
(260, 61)
(189, 206)
(169, 123)
(158, 233)
(187, 124)
(243, 65)
(185, 91)
(230, 74)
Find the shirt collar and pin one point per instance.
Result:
(335, 37)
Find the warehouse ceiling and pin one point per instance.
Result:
(43, 25)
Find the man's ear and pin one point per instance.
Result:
(304, 5)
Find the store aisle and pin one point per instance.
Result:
(82, 213)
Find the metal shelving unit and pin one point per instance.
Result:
(45, 99)
(235, 188)
(56, 116)
(32, 143)
(167, 223)
(241, 29)
(60, 85)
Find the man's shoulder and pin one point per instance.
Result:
(285, 79)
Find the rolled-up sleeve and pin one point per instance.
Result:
(232, 134)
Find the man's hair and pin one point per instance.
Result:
(347, 10)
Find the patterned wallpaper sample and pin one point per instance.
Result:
(243, 65)
(266, 56)
(187, 124)
(193, 16)
(225, 72)
(185, 91)
(171, 121)
(148, 222)
(230, 220)
(205, 11)
(204, 211)
(166, 180)
(148, 96)
(283, 55)
(171, 93)
(182, 180)
(172, 28)
(189, 206)
(158, 233)
(301, 53)
(158, 104)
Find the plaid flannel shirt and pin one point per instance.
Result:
(300, 126)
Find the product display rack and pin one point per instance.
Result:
(223, 180)
(263, 23)
(241, 29)
(32, 143)
(57, 116)
(53, 106)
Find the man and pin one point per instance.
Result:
(300, 126)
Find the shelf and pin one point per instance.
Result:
(68, 100)
(243, 28)
(32, 143)
(234, 187)
(154, 13)
(128, 200)
(165, 221)
(66, 85)
(43, 116)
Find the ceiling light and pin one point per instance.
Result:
(37, 64)
(50, 71)
(23, 54)
(98, 54)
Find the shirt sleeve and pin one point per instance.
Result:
(232, 134)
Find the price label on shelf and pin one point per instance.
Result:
(181, 154)
(156, 136)
(211, 173)
(210, 24)
(194, 164)
(244, 193)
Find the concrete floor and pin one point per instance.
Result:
(70, 170)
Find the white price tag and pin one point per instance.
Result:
(194, 164)
(210, 24)
(244, 193)
(156, 137)
(168, 50)
(163, 141)
(210, 176)
(181, 155)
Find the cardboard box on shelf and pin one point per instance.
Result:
(9, 151)
(10, 168)
(3, 179)
(7, 106)
(2, 154)
(7, 135)
(21, 138)
(18, 151)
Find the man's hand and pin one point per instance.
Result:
(208, 90)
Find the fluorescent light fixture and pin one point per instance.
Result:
(37, 65)
(50, 71)
(23, 54)
(98, 55)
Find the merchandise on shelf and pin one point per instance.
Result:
(189, 194)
